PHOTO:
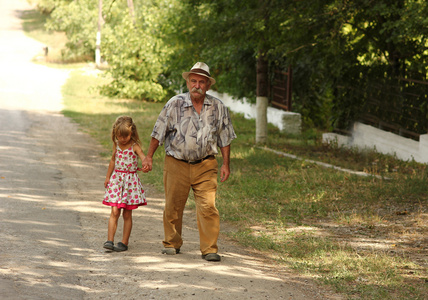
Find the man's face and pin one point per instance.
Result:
(198, 86)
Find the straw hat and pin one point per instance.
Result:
(202, 69)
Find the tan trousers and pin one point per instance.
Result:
(178, 178)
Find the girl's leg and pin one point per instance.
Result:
(127, 225)
(112, 223)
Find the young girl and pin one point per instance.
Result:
(123, 186)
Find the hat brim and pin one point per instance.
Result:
(186, 75)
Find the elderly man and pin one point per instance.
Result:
(192, 126)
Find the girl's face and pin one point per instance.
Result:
(123, 140)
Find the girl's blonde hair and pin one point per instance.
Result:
(123, 126)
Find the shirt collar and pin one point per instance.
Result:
(188, 101)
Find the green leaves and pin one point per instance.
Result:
(343, 53)
(136, 64)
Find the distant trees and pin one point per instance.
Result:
(131, 44)
(338, 49)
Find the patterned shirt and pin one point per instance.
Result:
(191, 136)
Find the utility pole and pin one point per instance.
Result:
(131, 10)
(262, 99)
(98, 42)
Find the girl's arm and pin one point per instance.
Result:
(139, 152)
(110, 169)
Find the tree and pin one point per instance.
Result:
(217, 44)
(134, 53)
(78, 19)
(343, 53)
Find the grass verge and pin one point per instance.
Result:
(364, 236)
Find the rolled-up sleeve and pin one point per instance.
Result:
(161, 125)
(226, 132)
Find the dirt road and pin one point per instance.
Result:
(53, 224)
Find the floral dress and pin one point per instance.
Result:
(125, 189)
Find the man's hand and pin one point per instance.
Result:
(224, 173)
(147, 162)
(225, 169)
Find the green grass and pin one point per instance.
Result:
(96, 115)
(363, 236)
(299, 213)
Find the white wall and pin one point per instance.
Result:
(289, 122)
(363, 136)
(369, 137)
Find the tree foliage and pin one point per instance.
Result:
(135, 54)
(348, 56)
(78, 19)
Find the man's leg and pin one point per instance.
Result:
(177, 187)
(204, 186)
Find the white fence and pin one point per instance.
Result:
(363, 136)
(368, 137)
(286, 121)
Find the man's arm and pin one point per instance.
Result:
(225, 168)
(147, 163)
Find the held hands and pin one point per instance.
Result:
(147, 164)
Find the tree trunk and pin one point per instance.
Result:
(262, 99)
(98, 42)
